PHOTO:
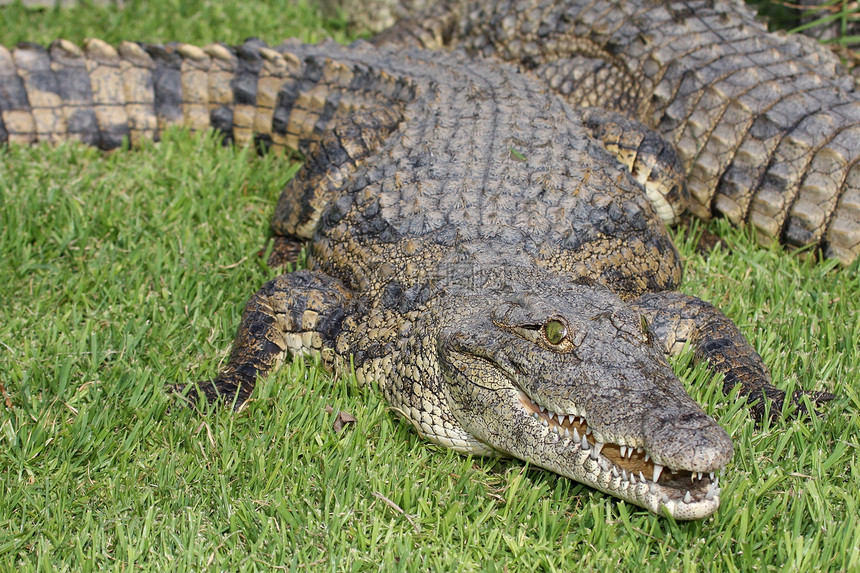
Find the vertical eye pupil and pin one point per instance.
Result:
(555, 331)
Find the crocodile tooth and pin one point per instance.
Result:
(535, 415)
(615, 471)
(699, 475)
(688, 498)
(542, 408)
(550, 415)
(712, 491)
(623, 451)
(623, 475)
(712, 476)
(665, 498)
(587, 430)
(632, 479)
(582, 420)
(545, 422)
(647, 456)
(641, 476)
(584, 443)
(639, 450)
(565, 432)
(571, 419)
(658, 469)
(575, 435)
(596, 450)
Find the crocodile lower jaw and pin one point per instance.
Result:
(625, 472)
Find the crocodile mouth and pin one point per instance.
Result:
(632, 465)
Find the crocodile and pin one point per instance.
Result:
(767, 125)
(474, 251)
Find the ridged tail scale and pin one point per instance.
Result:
(102, 95)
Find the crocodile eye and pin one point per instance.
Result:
(555, 331)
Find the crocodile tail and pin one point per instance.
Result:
(767, 125)
(103, 95)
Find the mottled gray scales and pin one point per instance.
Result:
(767, 125)
(472, 248)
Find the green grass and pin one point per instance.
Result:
(126, 271)
(838, 16)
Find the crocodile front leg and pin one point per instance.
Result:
(676, 319)
(296, 313)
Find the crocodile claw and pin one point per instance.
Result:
(776, 398)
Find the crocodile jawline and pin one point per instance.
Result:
(634, 464)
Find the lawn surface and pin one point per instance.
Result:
(122, 272)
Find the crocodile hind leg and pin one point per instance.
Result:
(651, 159)
(330, 165)
(430, 29)
(676, 319)
(296, 313)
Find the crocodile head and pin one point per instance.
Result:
(567, 377)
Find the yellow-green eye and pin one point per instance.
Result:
(555, 331)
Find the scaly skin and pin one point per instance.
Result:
(767, 125)
(474, 252)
